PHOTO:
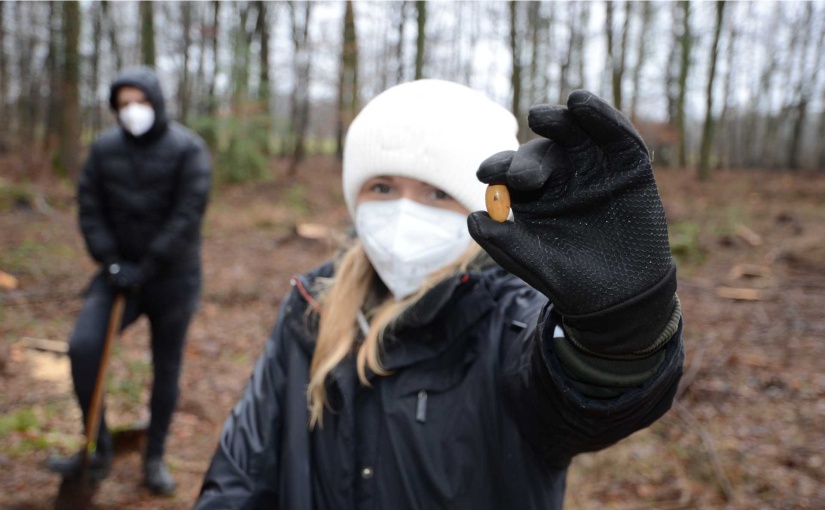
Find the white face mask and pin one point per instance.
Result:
(137, 118)
(407, 241)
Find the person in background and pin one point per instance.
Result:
(447, 361)
(142, 196)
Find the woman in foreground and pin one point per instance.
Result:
(448, 360)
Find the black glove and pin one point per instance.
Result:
(589, 229)
(125, 276)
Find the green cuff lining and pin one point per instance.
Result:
(669, 330)
(601, 376)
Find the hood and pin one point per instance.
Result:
(146, 79)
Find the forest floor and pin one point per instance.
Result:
(746, 431)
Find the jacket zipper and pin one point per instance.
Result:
(421, 407)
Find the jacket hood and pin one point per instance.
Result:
(145, 79)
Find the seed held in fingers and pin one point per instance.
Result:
(498, 202)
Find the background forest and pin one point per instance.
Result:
(713, 84)
(730, 97)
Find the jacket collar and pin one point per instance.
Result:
(425, 331)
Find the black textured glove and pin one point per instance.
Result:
(125, 276)
(589, 229)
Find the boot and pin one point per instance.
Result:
(157, 477)
(99, 465)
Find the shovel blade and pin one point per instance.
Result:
(76, 493)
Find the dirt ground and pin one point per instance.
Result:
(746, 432)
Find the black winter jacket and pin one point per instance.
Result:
(477, 413)
(142, 199)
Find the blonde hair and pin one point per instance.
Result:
(341, 299)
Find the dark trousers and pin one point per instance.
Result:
(169, 304)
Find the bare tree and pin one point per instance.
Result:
(262, 29)
(515, 76)
(147, 34)
(807, 80)
(215, 33)
(4, 84)
(564, 68)
(26, 45)
(641, 54)
(94, 78)
(240, 56)
(186, 42)
(581, 41)
(732, 145)
(300, 17)
(538, 27)
(72, 124)
(611, 64)
(578, 15)
(685, 44)
(348, 79)
(819, 152)
(113, 43)
(619, 68)
(772, 144)
(54, 70)
(707, 130)
(399, 48)
(421, 11)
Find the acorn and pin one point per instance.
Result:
(498, 202)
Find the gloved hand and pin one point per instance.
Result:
(125, 276)
(589, 229)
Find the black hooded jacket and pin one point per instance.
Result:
(142, 199)
(477, 413)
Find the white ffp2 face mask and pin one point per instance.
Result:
(137, 118)
(407, 241)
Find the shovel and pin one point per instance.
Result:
(77, 492)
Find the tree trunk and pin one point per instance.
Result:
(399, 48)
(707, 130)
(820, 157)
(807, 82)
(685, 44)
(4, 86)
(348, 79)
(54, 68)
(147, 34)
(263, 68)
(421, 11)
(515, 76)
(183, 82)
(241, 60)
(730, 137)
(581, 40)
(618, 73)
(536, 23)
(262, 28)
(212, 100)
(473, 34)
(549, 44)
(611, 58)
(301, 13)
(199, 91)
(26, 111)
(567, 58)
(641, 56)
(110, 24)
(94, 80)
(72, 126)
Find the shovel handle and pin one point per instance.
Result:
(93, 419)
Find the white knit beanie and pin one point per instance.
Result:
(434, 131)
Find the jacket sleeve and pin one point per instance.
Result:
(92, 215)
(559, 416)
(184, 222)
(244, 469)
